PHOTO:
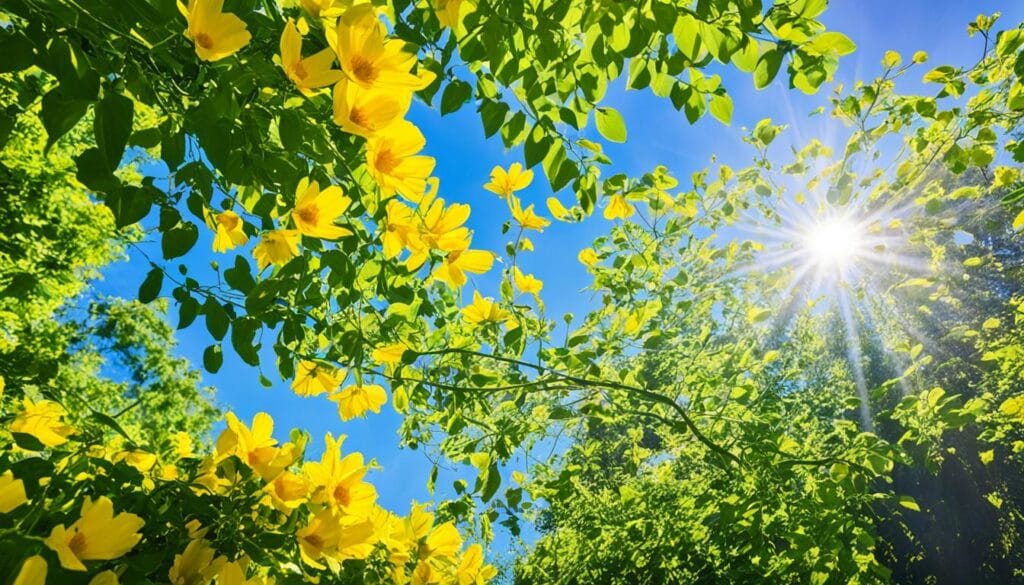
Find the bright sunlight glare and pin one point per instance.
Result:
(833, 242)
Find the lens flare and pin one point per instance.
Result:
(834, 242)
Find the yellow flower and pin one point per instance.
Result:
(587, 257)
(472, 570)
(398, 229)
(33, 571)
(457, 263)
(618, 208)
(98, 535)
(440, 229)
(312, 72)
(364, 112)
(557, 210)
(216, 34)
(390, 353)
(233, 573)
(138, 459)
(324, 8)
(182, 445)
(105, 578)
(483, 309)
(256, 447)
(444, 541)
(369, 58)
(526, 283)
(12, 492)
(168, 472)
(288, 491)
(394, 163)
(448, 12)
(195, 564)
(338, 482)
(313, 379)
(276, 247)
(228, 232)
(527, 219)
(44, 421)
(424, 574)
(355, 400)
(419, 522)
(331, 538)
(316, 211)
(504, 183)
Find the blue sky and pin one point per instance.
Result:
(658, 134)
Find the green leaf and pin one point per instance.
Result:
(109, 421)
(1009, 41)
(113, 125)
(745, 59)
(830, 42)
(27, 442)
(240, 277)
(92, 172)
(149, 290)
(129, 204)
(178, 240)
(455, 94)
(767, 68)
(243, 331)
(721, 108)
(610, 124)
(60, 113)
(187, 311)
(537, 146)
(17, 51)
(492, 483)
(492, 114)
(687, 36)
(757, 314)
(909, 503)
(217, 319)
(172, 145)
(213, 358)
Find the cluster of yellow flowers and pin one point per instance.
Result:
(355, 400)
(373, 89)
(372, 92)
(339, 517)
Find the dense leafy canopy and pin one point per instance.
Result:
(708, 421)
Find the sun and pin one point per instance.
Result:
(833, 243)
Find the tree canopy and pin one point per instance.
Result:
(746, 402)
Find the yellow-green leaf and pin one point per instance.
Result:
(610, 124)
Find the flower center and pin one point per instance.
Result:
(77, 544)
(229, 221)
(358, 117)
(314, 539)
(363, 69)
(299, 70)
(308, 214)
(342, 496)
(204, 40)
(387, 161)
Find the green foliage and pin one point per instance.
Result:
(715, 426)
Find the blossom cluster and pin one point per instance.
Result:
(327, 506)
